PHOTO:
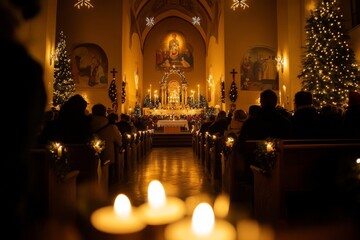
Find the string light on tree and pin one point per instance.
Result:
(64, 84)
(123, 91)
(329, 66)
(113, 90)
(233, 88)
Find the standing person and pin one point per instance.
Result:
(20, 73)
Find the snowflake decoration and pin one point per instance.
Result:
(196, 20)
(239, 3)
(150, 21)
(81, 3)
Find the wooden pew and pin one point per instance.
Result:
(309, 181)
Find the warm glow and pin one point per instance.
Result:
(203, 219)
(222, 205)
(269, 147)
(156, 194)
(122, 205)
(248, 230)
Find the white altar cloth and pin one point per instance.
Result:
(173, 123)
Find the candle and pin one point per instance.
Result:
(269, 147)
(201, 226)
(59, 151)
(118, 219)
(150, 92)
(198, 92)
(159, 209)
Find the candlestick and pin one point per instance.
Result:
(201, 226)
(159, 209)
(118, 219)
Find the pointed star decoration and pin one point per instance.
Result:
(85, 3)
(150, 21)
(196, 20)
(239, 3)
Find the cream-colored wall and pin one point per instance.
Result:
(101, 25)
(244, 29)
(153, 42)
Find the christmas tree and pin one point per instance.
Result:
(233, 92)
(64, 84)
(113, 94)
(329, 67)
(123, 92)
(223, 91)
(137, 110)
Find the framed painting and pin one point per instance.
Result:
(89, 66)
(258, 70)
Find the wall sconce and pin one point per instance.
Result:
(239, 3)
(83, 3)
(280, 63)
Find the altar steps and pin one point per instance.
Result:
(172, 140)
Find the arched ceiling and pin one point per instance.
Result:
(207, 10)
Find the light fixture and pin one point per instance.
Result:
(83, 3)
(196, 20)
(53, 57)
(280, 63)
(239, 3)
(150, 21)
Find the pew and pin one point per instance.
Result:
(310, 180)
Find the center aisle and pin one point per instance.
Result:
(177, 168)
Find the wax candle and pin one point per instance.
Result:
(59, 151)
(121, 218)
(202, 226)
(159, 209)
(269, 147)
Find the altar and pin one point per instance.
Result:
(168, 112)
(173, 126)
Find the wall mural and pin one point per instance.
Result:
(89, 66)
(174, 52)
(259, 70)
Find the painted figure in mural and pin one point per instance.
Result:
(174, 47)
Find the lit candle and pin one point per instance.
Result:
(150, 92)
(201, 226)
(198, 92)
(269, 147)
(118, 219)
(159, 209)
(59, 151)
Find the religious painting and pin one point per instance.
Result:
(89, 66)
(258, 70)
(174, 51)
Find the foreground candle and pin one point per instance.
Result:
(202, 226)
(118, 219)
(159, 209)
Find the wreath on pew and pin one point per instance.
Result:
(266, 154)
(59, 162)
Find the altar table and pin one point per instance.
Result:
(173, 126)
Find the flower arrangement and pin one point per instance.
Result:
(59, 160)
(98, 145)
(266, 154)
(228, 145)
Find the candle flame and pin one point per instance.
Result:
(203, 219)
(122, 205)
(156, 194)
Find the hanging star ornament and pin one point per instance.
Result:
(196, 20)
(239, 3)
(81, 3)
(150, 21)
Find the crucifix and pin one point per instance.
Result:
(113, 71)
(233, 72)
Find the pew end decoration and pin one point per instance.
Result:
(59, 160)
(266, 155)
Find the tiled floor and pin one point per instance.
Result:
(177, 168)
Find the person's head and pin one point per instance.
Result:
(268, 99)
(254, 110)
(123, 117)
(240, 115)
(98, 110)
(76, 104)
(221, 115)
(303, 98)
(113, 117)
(354, 98)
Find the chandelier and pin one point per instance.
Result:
(239, 3)
(83, 3)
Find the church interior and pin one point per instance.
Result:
(178, 59)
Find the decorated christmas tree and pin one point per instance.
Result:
(123, 92)
(147, 102)
(223, 91)
(137, 109)
(64, 84)
(329, 67)
(233, 92)
(113, 94)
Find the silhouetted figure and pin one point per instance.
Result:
(351, 121)
(306, 117)
(330, 122)
(237, 121)
(205, 125)
(22, 75)
(124, 126)
(268, 122)
(220, 125)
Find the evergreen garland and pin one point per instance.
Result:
(223, 91)
(329, 67)
(123, 92)
(113, 91)
(64, 84)
(233, 92)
